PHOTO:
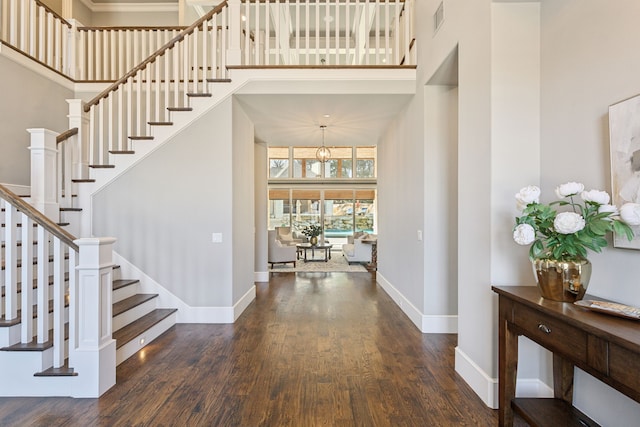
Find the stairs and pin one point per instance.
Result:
(26, 368)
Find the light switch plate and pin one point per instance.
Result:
(216, 237)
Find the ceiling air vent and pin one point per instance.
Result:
(438, 17)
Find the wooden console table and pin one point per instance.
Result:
(606, 347)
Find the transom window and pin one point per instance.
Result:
(301, 162)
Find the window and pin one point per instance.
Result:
(341, 163)
(301, 162)
(365, 211)
(338, 213)
(279, 162)
(279, 209)
(365, 162)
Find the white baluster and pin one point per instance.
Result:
(100, 52)
(26, 318)
(317, 27)
(43, 285)
(223, 44)
(23, 25)
(146, 73)
(396, 34)
(100, 140)
(257, 34)
(32, 28)
(377, 30)
(387, 30)
(91, 55)
(50, 39)
(277, 29)
(214, 47)
(129, 113)
(120, 119)
(347, 34)
(41, 34)
(113, 55)
(11, 262)
(109, 132)
(194, 69)
(297, 54)
(327, 34)
(58, 303)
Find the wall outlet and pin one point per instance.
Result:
(216, 237)
(419, 235)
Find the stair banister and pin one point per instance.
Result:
(180, 37)
(19, 211)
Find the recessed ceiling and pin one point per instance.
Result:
(295, 120)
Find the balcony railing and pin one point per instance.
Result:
(261, 33)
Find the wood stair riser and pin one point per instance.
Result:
(126, 292)
(133, 314)
(136, 344)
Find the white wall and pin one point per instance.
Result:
(164, 210)
(590, 61)
(29, 100)
(262, 211)
(243, 214)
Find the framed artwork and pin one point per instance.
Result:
(624, 140)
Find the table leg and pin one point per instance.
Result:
(508, 357)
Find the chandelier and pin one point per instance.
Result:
(323, 153)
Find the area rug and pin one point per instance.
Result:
(337, 263)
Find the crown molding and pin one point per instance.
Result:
(130, 7)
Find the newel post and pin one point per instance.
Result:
(92, 350)
(44, 172)
(234, 54)
(79, 119)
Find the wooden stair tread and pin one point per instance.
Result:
(133, 301)
(102, 166)
(70, 209)
(179, 108)
(122, 152)
(123, 283)
(36, 346)
(83, 180)
(133, 329)
(199, 95)
(211, 80)
(63, 371)
(141, 138)
(160, 123)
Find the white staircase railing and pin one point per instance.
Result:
(347, 33)
(263, 33)
(33, 28)
(37, 240)
(107, 53)
(145, 96)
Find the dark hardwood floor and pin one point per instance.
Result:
(314, 349)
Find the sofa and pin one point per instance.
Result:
(359, 248)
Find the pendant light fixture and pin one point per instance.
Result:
(323, 153)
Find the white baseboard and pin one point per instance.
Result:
(426, 323)
(244, 302)
(186, 313)
(486, 387)
(482, 384)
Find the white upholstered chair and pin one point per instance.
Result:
(279, 253)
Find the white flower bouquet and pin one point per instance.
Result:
(567, 235)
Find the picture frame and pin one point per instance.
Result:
(624, 144)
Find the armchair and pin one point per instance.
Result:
(288, 237)
(277, 253)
